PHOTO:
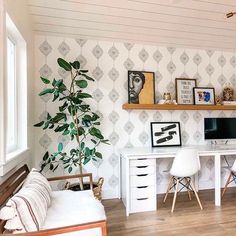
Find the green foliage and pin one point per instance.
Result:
(74, 119)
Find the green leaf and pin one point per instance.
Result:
(98, 155)
(96, 123)
(46, 155)
(94, 141)
(82, 145)
(46, 91)
(81, 83)
(45, 81)
(106, 141)
(86, 160)
(51, 166)
(39, 124)
(81, 131)
(54, 82)
(58, 117)
(87, 77)
(70, 169)
(72, 125)
(66, 132)
(83, 95)
(60, 147)
(84, 71)
(64, 64)
(75, 64)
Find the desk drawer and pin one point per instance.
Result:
(143, 204)
(136, 170)
(143, 192)
(142, 180)
(143, 162)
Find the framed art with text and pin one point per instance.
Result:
(165, 134)
(141, 87)
(184, 90)
(204, 96)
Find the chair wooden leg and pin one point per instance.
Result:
(227, 183)
(176, 191)
(168, 189)
(187, 184)
(196, 194)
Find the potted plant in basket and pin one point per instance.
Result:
(74, 119)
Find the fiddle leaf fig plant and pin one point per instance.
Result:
(74, 118)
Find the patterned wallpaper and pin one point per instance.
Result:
(108, 63)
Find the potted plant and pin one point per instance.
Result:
(74, 119)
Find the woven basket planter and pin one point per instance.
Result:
(97, 187)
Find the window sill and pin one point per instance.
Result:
(13, 160)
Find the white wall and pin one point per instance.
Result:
(18, 11)
(131, 128)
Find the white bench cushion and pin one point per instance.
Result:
(74, 207)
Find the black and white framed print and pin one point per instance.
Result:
(165, 134)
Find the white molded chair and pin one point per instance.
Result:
(231, 178)
(186, 164)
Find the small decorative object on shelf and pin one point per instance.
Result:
(167, 98)
(218, 100)
(228, 92)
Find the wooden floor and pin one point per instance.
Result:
(187, 218)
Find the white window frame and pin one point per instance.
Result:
(19, 155)
(14, 146)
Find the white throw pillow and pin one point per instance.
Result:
(37, 180)
(30, 209)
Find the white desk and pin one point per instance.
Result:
(129, 156)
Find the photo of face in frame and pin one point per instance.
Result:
(141, 87)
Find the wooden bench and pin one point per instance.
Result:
(11, 185)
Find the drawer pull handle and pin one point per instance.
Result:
(141, 199)
(142, 159)
(142, 175)
(142, 186)
(141, 166)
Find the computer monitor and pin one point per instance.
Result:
(219, 128)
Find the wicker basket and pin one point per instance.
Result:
(97, 187)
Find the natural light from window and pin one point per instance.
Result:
(11, 96)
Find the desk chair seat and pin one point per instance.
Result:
(186, 164)
(231, 178)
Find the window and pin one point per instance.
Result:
(11, 96)
(15, 92)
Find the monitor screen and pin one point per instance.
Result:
(220, 128)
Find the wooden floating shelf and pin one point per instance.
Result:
(128, 106)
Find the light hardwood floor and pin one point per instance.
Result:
(187, 218)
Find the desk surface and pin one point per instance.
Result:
(203, 150)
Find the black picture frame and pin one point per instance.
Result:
(143, 91)
(184, 90)
(165, 134)
(201, 99)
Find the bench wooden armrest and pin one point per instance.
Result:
(74, 177)
(61, 230)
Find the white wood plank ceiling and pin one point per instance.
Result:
(179, 23)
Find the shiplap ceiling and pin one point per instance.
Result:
(179, 23)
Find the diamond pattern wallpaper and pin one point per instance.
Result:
(108, 63)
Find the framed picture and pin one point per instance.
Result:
(165, 134)
(184, 90)
(141, 87)
(204, 96)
